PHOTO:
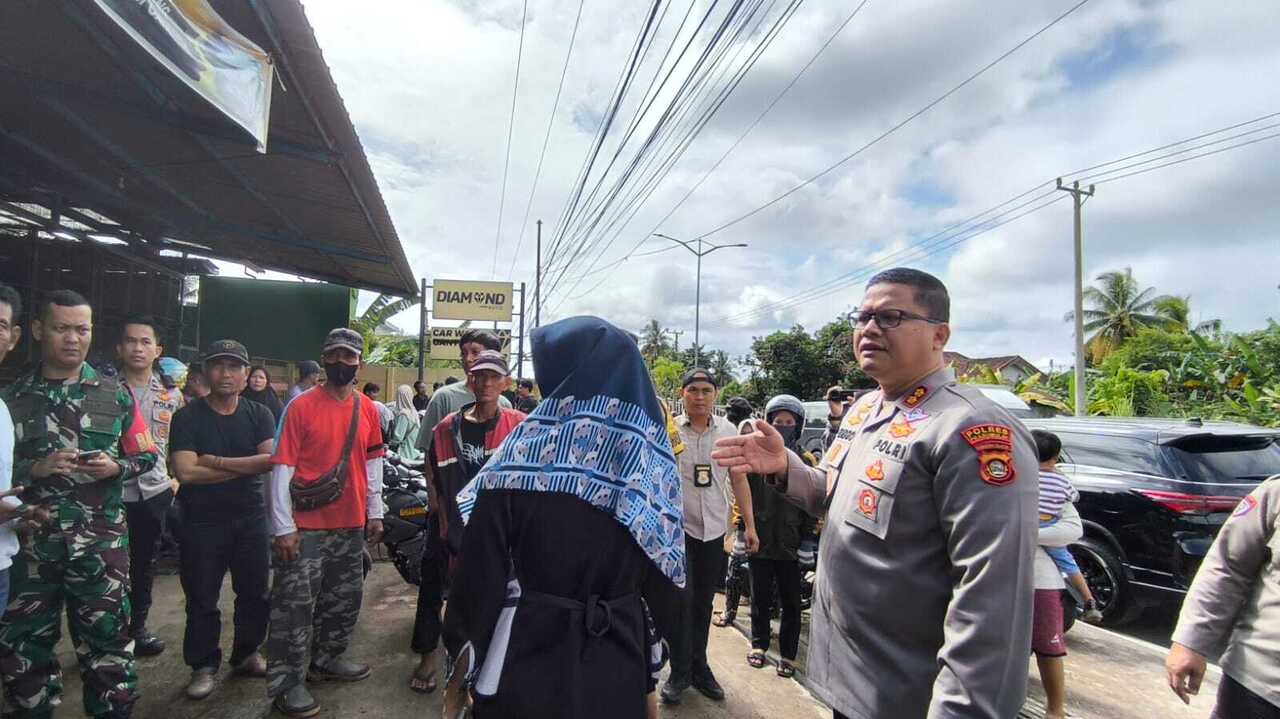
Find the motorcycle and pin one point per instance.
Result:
(404, 523)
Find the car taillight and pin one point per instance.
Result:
(1190, 503)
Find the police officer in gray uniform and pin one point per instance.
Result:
(922, 606)
(146, 497)
(1232, 611)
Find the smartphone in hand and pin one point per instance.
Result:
(88, 455)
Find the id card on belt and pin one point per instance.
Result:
(702, 475)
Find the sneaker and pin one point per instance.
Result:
(1091, 613)
(672, 690)
(146, 644)
(251, 666)
(338, 670)
(710, 688)
(201, 684)
(297, 702)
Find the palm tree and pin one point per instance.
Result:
(383, 308)
(653, 342)
(1118, 309)
(1176, 312)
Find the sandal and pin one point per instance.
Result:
(724, 619)
(756, 658)
(423, 683)
(786, 670)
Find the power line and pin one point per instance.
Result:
(688, 97)
(947, 237)
(511, 126)
(613, 265)
(637, 197)
(839, 29)
(551, 121)
(900, 124)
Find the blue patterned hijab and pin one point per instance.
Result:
(598, 434)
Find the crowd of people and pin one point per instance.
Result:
(575, 542)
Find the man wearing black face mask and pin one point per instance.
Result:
(325, 503)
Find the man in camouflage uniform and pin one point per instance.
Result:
(78, 436)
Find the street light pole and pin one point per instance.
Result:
(697, 307)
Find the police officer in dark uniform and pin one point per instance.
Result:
(924, 595)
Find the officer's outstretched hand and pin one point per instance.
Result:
(761, 452)
(1185, 668)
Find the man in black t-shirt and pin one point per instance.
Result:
(220, 446)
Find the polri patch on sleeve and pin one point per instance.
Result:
(1246, 505)
(994, 444)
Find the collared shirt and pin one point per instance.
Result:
(927, 557)
(706, 508)
(8, 540)
(157, 404)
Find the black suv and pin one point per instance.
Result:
(1153, 494)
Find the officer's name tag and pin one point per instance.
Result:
(702, 475)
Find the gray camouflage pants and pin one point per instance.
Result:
(315, 601)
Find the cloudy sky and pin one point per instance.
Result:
(428, 84)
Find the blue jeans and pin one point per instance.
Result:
(1060, 555)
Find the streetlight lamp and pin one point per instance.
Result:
(697, 306)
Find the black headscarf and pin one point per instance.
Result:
(267, 396)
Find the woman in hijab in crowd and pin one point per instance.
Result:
(781, 526)
(403, 439)
(574, 549)
(259, 390)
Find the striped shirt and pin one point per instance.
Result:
(1055, 491)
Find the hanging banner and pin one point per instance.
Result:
(465, 300)
(195, 44)
(445, 342)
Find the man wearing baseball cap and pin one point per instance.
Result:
(325, 503)
(462, 443)
(705, 486)
(220, 447)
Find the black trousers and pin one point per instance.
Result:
(145, 528)
(1235, 701)
(427, 619)
(786, 573)
(706, 563)
(208, 551)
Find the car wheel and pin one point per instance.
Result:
(1105, 576)
(1069, 608)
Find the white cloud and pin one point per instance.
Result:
(428, 85)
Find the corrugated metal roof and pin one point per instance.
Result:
(88, 118)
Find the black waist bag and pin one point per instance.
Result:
(327, 489)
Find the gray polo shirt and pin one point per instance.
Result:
(704, 482)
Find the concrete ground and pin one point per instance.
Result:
(382, 638)
(1110, 675)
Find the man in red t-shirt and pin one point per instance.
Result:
(322, 549)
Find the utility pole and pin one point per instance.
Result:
(1078, 196)
(537, 282)
(422, 332)
(697, 306)
(677, 333)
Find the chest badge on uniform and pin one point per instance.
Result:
(994, 444)
(867, 502)
(916, 397)
(901, 429)
(875, 470)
